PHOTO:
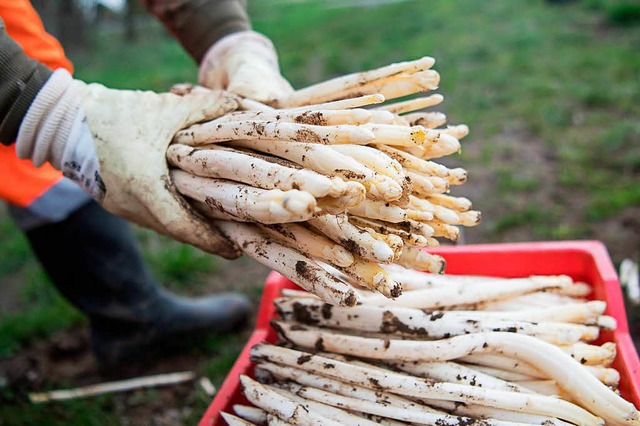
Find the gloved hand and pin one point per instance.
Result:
(245, 63)
(113, 143)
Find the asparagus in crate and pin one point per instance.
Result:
(338, 180)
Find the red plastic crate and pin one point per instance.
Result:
(586, 261)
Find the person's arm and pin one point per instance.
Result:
(217, 34)
(198, 24)
(21, 78)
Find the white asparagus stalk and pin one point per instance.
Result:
(420, 260)
(460, 204)
(356, 102)
(387, 212)
(251, 414)
(329, 117)
(576, 290)
(608, 376)
(369, 275)
(437, 298)
(328, 90)
(457, 176)
(246, 202)
(542, 387)
(409, 414)
(220, 131)
(456, 373)
(414, 163)
(482, 412)
(458, 131)
(359, 242)
(111, 387)
(276, 421)
(207, 211)
(504, 363)
(384, 117)
(290, 263)
(444, 214)
(507, 375)
(591, 354)
(417, 324)
(534, 300)
(413, 104)
(324, 160)
(336, 414)
(399, 135)
(310, 243)
(580, 382)
(427, 185)
(382, 228)
(445, 145)
(234, 420)
(255, 170)
(409, 386)
(305, 378)
(374, 159)
(447, 231)
(430, 120)
(280, 406)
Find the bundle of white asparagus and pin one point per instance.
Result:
(523, 356)
(318, 177)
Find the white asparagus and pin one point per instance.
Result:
(421, 260)
(456, 373)
(507, 363)
(400, 135)
(409, 386)
(256, 170)
(221, 131)
(460, 204)
(324, 160)
(445, 145)
(280, 406)
(310, 243)
(461, 294)
(288, 372)
(427, 185)
(458, 131)
(356, 102)
(374, 159)
(290, 263)
(383, 117)
(440, 229)
(430, 120)
(542, 387)
(413, 104)
(508, 375)
(576, 380)
(591, 354)
(379, 210)
(336, 414)
(250, 414)
(111, 387)
(276, 421)
(414, 163)
(482, 412)
(370, 275)
(327, 117)
(234, 420)
(382, 228)
(359, 242)
(246, 202)
(348, 85)
(409, 414)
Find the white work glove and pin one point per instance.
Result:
(245, 63)
(113, 143)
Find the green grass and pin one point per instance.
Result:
(564, 78)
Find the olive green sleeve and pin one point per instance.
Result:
(21, 78)
(197, 24)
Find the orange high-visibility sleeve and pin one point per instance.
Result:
(21, 182)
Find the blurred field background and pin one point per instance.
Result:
(549, 90)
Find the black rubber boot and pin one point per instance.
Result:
(93, 260)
